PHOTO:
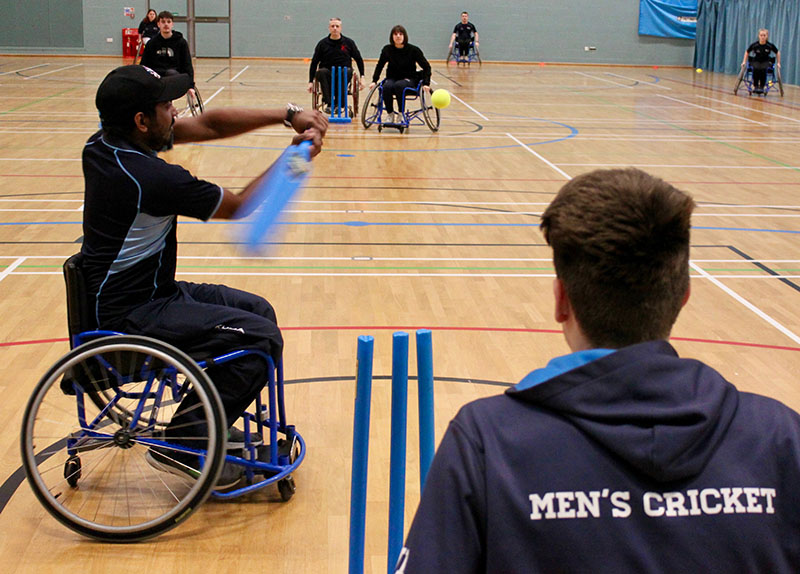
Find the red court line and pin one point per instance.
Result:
(367, 328)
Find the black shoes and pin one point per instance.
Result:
(188, 466)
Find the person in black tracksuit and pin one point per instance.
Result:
(463, 35)
(168, 52)
(148, 27)
(760, 56)
(130, 218)
(334, 50)
(401, 73)
(621, 456)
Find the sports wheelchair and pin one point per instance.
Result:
(472, 55)
(746, 77)
(426, 114)
(96, 417)
(353, 84)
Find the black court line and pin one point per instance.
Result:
(764, 268)
(448, 78)
(214, 76)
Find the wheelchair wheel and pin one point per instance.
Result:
(194, 101)
(478, 57)
(139, 49)
(452, 57)
(372, 107)
(739, 80)
(778, 80)
(354, 88)
(316, 96)
(429, 112)
(92, 470)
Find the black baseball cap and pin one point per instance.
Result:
(131, 89)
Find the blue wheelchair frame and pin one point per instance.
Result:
(746, 77)
(280, 464)
(372, 111)
(472, 56)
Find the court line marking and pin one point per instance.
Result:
(412, 274)
(239, 74)
(470, 107)
(52, 72)
(23, 69)
(762, 112)
(562, 172)
(10, 269)
(371, 258)
(746, 303)
(712, 110)
(641, 83)
(476, 213)
(214, 94)
(603, 80)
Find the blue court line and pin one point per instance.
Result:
(573, 132)
(397, 224)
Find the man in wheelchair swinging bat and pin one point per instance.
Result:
(132, 201)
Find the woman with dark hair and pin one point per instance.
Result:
(401, 72)
(149, 26)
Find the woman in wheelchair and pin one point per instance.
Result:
(759, 55)
(401, 73)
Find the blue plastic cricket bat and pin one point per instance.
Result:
(289, 174)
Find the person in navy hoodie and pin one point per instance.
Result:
(622, 456)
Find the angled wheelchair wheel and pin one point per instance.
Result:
(429, 112)
(93, 467)
(478, 57)
(139, 49)
(739, 80)
(452, 57)
(194, 102)
(371, 109)
(778, 80)
(316, 96)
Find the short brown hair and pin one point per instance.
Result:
(398, 28)
(165, 15)
(620, 242)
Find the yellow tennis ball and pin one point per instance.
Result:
(440, 98)
(699, 70)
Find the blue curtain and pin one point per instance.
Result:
(725, 28)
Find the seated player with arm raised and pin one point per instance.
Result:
(132, 203)
(621, 456)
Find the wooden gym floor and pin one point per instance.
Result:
(398, 232)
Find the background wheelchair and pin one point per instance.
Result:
(96, 414)
(194, 103)
(425, 114)
(352, 93)
(746, 77)
(472, 56)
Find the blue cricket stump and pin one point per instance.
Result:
(397, 468)
(358, 478)
(339, 110)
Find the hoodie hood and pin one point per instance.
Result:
(662, 414)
